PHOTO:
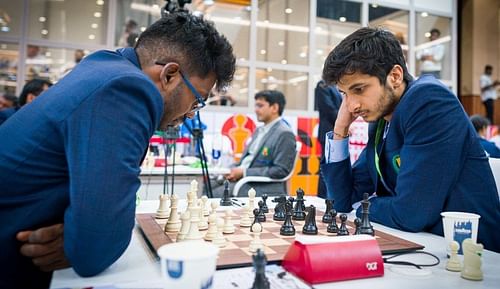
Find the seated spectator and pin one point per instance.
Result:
(481, 124)
(8, 100)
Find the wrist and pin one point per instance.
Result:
(340, 133)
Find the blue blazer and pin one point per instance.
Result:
(431, 161)
(73, 156)
(490, 147)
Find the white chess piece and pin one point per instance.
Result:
(245, 221)
(203, 223)
(472, 260)
(212, 228)
(204, 201)
(251, 199)
(194, 232)
(228, 224)
(219, 239)
(194, 188)
(185, 224)
(163, 210)
(256, 243)
(174, 223)
(214, 205)
(453, 263)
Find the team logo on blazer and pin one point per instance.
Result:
(396, 163)
(265, 151)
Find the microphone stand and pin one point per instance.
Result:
(170, 136)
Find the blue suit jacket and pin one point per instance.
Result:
(73, 155)
(490, 147)
(431, 162)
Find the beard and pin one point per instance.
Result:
(387, 102)
(171, 108)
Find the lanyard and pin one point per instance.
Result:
(378, 136)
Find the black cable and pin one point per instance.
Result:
(173, 167)
(406, 263)
(165, 177)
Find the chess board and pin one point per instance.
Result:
(236, 254)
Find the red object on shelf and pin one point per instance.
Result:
(324, 259)
(159, 162)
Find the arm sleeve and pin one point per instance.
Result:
(335, 150)
(105, 138)
(282, 163)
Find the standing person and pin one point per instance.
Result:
(423, 156)
(432, 56)
(73, 155)
(327, 100)
(488, 92)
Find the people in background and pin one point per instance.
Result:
(271, 151)
(8, 100)
(481, 124)
(31, 90)
(431, 56)
(37, 65)
(488, 92)
(78, 56)
(423, 156)
(130, 34)
(73, 155)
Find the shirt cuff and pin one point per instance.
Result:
(335, 150)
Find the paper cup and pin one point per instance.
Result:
(458, 226)
(188, 265)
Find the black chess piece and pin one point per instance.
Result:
(327, 217)
(310, 227)
(287, 229)
(366, 227)
(299, 213)
(279, 209)
(343, 226)
(226, 200)
(259, 264)
(332, 227)
(300, 196)
(255, 218)
(261, 216)
(357, 223)
(265, 209)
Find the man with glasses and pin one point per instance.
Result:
(423, 156)
(70, 161)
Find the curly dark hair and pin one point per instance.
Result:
(371, 51)
(191, 41)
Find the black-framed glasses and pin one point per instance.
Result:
(200, 103)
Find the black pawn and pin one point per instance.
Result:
(259, 264)
(261, 216)
(287, 229)
(226, 201)
(279, 210)
(265, 209)
(299, 213)
(310, 227)
(332, 227)
(343, 226)
(366, 227)
(255, 218)
(357, 223)
(327, 217)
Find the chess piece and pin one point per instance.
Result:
(255, 218)
(251, 198)
(194, 188)
(256, 243)
(185, 224)
(343, 226)
(279, 209)
(163, 210)
(212, 228)
(261, 216)
(299, 209)
(366, 227)
(453, 263)
(265, 208)
(357, 224)
(472, 260)
(174, 222)
(194, 232)
(228, 224)
(287, 229)
(205, 210)
(226, 201)
(332, 227)
(310, 227)
(245, 218)
(327, 217)
(203, 224)
(219, 239)
(259, 264)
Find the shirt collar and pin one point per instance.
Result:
(130, 54)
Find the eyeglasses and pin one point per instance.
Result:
(200, 103)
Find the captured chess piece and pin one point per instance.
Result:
(287, 229)
(327, 217)
(472, 260)
(259, 264)
(343, 226)
(265, 208)
(453, 263)
(366, 227)
(310, 227)
(279, 209)
(332, 227)
(261, 216)
(226, 200)
(299, 213)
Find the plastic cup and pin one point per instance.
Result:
(458, 226)
(188, 264)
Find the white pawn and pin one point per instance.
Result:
(245, 221)
(228, 224)
(202, 224)
(256, 243)
(194, 232)
(453, 263)
(251, 199)
(219, 239)
(163, 210)
(174, 223)
(204, 201)
(472, 260)
(214, 206)
(194, 188)
(185, 224)
(212, 228)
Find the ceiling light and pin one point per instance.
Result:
(281, 43)
(99, 2)
(143, 29)
(97, 14)
(424, 14)
(427, 34)
(288, 10)
(42, 19)
(319, 51)
(284, 61)
(374, 5)
(262, 51)
(269, 69)
(303, 55)
(91, 36)
(94, 25)
(44, 31)
(342, 19)
(155, 6)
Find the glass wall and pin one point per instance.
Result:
(292, 84)
(9, 58)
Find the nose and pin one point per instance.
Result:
(352, 104)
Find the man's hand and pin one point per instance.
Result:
(235, 174)
(45, 247)
(343, 121)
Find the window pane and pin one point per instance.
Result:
(237, 93)
(132, 17)
(51, 63)
(9, 57)
(292, 84)
(69, 21)
(10, 17)
(433, 41)
(282, 31)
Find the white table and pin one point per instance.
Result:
(139, 267)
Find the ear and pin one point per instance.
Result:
(395, 76)
(170, 74)
(30, 97)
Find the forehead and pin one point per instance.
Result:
(348, 80)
